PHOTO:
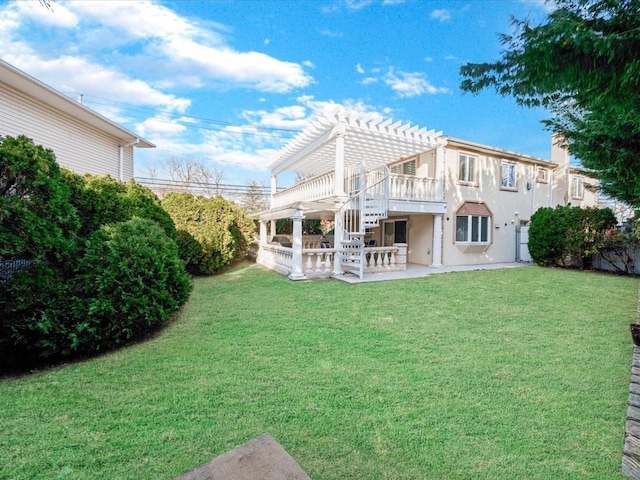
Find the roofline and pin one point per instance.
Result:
(505, 153)
(25, 83)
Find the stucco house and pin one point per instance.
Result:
(398, 194)
(84, 141)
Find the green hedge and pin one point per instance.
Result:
(100, 256)
(569, 236)
(222, 229)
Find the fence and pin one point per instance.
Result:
(623, 259)
(8, 268)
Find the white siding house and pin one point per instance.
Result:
(82, 140)
(401, 194)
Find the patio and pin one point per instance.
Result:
(419, 271)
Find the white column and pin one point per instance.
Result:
(296, 267)
(274, 185)
(437, 240)
(338, 235)
(339, 167)
(272, 232)
(263, 232)
(440, 173)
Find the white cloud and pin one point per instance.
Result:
(410, 84)
(369, 81)
(330, 33)
(441, 14)
(73, 74)
(359, 68)
(152, 127)
(195, 49)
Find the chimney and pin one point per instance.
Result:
(80, 96)
(559, 150)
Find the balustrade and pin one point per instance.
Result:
(407, 187)
(318, 262)
(315, 188)
(378, 259)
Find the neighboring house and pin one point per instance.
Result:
(82, 140)
(400, 194)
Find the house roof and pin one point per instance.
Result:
(368, 139)
(34, 88)
(498, 152)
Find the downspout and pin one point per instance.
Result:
(121, 157)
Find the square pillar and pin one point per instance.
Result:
(440, 173)
(263, 232)
(338, 235)
(437, 240)
(296, 241)
(274, 188)
(339, 166)
(272, 229)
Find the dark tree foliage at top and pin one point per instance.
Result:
(582, 64)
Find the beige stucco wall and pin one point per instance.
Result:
(509, 208)
(420, 241)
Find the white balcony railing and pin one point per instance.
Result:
(407, 187)
(315, 188)
(401, 187)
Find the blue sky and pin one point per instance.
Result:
(227, 83)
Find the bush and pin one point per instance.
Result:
(130, 280)
(222, 229)
(37, 219)
(101, 200)
(90, 274)
(569, 236)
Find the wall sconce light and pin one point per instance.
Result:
(528, 185)
(497, 227)
(505, 224)
(513, 221)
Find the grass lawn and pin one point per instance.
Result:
(501, 374)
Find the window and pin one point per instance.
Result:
(467, 171)
(542, 175)
(577, 187)
(472, 229)
(473, 223)
(509, 175)
(405, 168)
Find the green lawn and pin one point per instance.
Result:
(503, 374)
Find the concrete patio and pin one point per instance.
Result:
(419, 271)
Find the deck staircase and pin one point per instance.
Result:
(368, 203)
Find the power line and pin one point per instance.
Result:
(223, 124)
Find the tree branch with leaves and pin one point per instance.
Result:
(582, 64)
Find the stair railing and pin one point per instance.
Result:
(367, 191)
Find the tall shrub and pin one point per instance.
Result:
(130, 280)
(222, 229)
(101, 200)
(568, 236)
(36, 216)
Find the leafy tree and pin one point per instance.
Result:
(253, 198)
(582, 64)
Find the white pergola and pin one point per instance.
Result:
(345, 138)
